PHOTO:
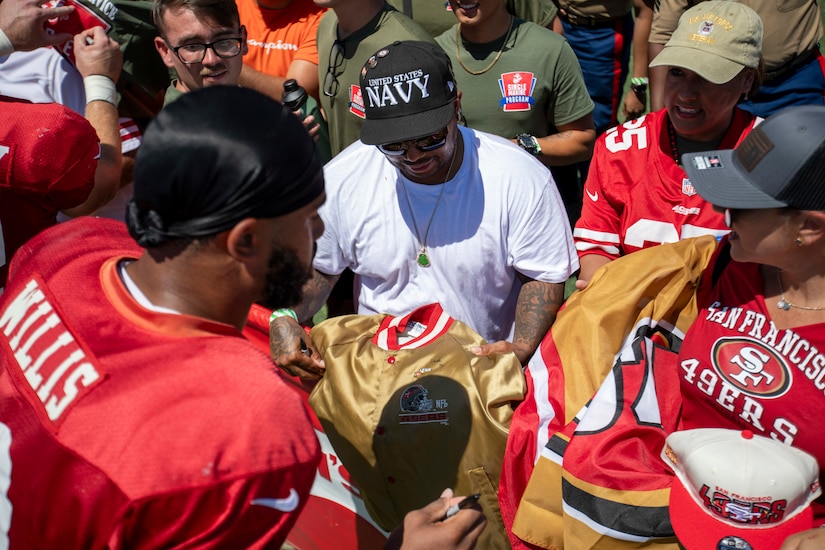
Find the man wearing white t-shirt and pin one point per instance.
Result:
(423, 210)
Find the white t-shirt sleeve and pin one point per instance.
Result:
(541, 243)
(329, 258)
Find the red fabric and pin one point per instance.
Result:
(520, 456)
(585, 442)
(172, 427)
(738, 371)
(48, 158)
(636, 196)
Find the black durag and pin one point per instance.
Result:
(217, 156)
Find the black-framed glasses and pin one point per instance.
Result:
(336, 59)
(194, 53)
(427, 143)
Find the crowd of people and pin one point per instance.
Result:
(572, 297)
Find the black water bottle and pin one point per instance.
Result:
(294, 96)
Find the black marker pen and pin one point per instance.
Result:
(466, 503)
(305, 349)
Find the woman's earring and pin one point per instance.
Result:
(799, 241)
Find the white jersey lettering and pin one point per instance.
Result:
(45, 350)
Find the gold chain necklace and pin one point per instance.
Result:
(495, 59)
(423, 259)
(784, 304)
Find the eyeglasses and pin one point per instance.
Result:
(336, 59)
(428, 143)
(194, 53)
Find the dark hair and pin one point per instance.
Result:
(758, 76)
(221, 12)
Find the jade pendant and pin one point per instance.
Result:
(423, 260)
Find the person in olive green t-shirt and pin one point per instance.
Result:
(523, 82)
(437, 16)
(348, 35)
(535, 87)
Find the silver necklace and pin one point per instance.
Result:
(784, 304)
(423, 259)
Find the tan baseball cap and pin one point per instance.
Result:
(715, 40)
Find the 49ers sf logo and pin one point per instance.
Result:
(751, 367)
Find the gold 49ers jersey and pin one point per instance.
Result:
(410, 410)
(739, 371)
(582, 466)
(636, 196)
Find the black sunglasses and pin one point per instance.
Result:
(427, 143)
(336, 59)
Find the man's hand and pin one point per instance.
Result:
(102, 56)
(426, 528)
(812, 539)
(22, 21)
(634, 105)
(310, 124)
(501, 347)
(538, 303)
(293, 350)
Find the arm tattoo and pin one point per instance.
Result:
(316, 292)
(538, 303)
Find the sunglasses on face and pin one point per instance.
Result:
(426, 144)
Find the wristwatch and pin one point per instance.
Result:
(638, 85)
(529, 143)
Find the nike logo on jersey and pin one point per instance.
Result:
(593, 197)
(286, 505)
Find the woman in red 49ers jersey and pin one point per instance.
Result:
(693, 334)
(637, 194)
(755, 356)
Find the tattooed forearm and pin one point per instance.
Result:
(536, 310)
(316, 292)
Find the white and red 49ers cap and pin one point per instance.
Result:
(737, 490)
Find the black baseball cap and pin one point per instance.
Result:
(780, 163)
(408, 90)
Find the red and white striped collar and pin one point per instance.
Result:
(433, 319)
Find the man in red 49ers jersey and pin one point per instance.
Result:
(637, 194)
(133, 413)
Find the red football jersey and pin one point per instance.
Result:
(121, 427)
(636, 195)
(737, 370)
(48, 158)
